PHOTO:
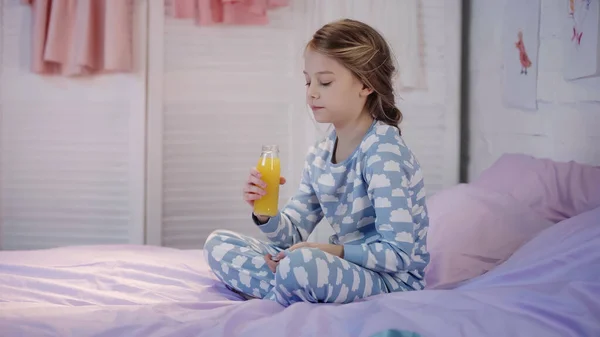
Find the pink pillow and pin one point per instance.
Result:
(556, 190)
(472, 230)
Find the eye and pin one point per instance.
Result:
(325, 84)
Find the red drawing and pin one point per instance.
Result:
(578, 12)
(523, 57)
(576, 36)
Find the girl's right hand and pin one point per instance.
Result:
(254, 188)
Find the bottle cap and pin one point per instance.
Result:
(270, 148)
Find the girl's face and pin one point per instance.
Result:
(334, 94)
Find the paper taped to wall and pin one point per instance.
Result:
(582, 39)
(520, 43)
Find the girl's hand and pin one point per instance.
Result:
(270, 263)
(254, 188)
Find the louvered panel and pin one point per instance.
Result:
(189, 145)
(52, 182)
(227, 91)
(208, 151)
(68, 173)
(261, 47)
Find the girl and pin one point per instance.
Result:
(362, 178)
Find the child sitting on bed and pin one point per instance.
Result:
(362, 178)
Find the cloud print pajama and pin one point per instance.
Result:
(375, 203)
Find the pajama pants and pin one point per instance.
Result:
(303, 275)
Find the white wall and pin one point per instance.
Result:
(72, 150)
(566, 125)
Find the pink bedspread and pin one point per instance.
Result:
(550, 288)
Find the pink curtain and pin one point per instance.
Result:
(79, 37)
(232, 12)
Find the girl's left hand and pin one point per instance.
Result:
(272, 262)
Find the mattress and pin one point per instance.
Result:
(549, 287)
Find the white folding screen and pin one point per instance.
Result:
(218, 93)
(160, 156)
(71, 149)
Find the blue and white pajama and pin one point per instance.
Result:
(305, 274)
(374, 201)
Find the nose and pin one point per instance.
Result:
(311, 91)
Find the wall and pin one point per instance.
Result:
(565, 126)
(72, 150)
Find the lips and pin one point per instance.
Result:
(315, 108)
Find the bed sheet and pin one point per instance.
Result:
(550, 287)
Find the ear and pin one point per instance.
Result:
(365, 91)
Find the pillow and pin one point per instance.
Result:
(555, 190)
(472, 230)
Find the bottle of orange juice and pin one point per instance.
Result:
(270, 171)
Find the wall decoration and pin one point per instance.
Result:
(214, 12)
(520, 53)
(582, 57)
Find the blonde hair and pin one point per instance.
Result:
(363, 51)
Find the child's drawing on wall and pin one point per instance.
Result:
(520, 44)
(523, 57)
(578, 10)
(576, 37)
(582, 40)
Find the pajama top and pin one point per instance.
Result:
(374, 200)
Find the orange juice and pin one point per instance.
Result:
(270, 171)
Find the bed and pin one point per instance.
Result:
(549, 286)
